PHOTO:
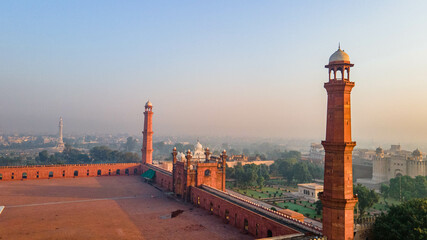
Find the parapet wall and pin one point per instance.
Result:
(8, 173)
(163, 177)
(238, 216)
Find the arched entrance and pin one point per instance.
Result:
(127, 171)
(24, 175)
(99, 172)
(178, 187)
(50, 174)
(76, 173)
(269, 233)
(246, 224)
(118, 172)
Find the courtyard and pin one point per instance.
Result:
(119, 207)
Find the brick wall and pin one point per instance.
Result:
(163, 177)
(68, 171)
(238, 216)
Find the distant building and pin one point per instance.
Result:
(240, 157)
(317, 153)
(309, 191)
(394, 163)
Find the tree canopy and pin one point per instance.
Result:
(249, 175)
(406, 188)
(405, 221)
(367, 198)
(293, 169)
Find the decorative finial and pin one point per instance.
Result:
(339, 45)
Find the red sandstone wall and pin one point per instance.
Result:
(163, 178)
(215, 180)
(67, 171)
(257, 224)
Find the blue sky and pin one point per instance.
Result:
(241, 68)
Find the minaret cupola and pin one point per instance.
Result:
(339, 66)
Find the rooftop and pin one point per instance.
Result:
(311, 185)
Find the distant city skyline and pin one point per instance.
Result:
(241, 68)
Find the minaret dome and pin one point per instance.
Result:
(339, 56)
(148, 104)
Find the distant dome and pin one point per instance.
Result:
(379, 150)
(180, 156)
(148, 104)
(198, 146)
(199, 153)
(416, 153)
(339, 56)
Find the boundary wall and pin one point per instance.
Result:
(8, 173)
(163, 177)
(239, 216)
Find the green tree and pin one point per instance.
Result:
(285, 168)
(367, 198)
(43, 157)
(101, 154)
(405, 221)
(230, 172)
(406, 188)
(319, 207)
(301, 173)
(385, 189)
(130, 144)
(260, 181)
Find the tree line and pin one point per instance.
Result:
(249, 175)
(289, 166)
(99, 154)
(405, 188)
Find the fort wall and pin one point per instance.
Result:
(8, 173)
(238, 216)
(163, 177)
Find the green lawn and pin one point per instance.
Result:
(298, 208)
(257, 193)
(252, 193)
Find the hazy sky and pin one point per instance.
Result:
(241, 68)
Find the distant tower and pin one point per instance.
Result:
(147, 143)
(337, 197)
(61, 145)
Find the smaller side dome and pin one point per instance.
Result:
(416, 153)
(339, 56)
(148, 104)
(379, 150)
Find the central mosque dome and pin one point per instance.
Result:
(339, 56)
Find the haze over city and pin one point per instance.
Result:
(240, 68)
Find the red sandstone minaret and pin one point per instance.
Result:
(147, 142)
(337, 197)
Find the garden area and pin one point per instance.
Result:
(261, 193)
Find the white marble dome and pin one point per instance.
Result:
(339, 56)
(199, 153)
